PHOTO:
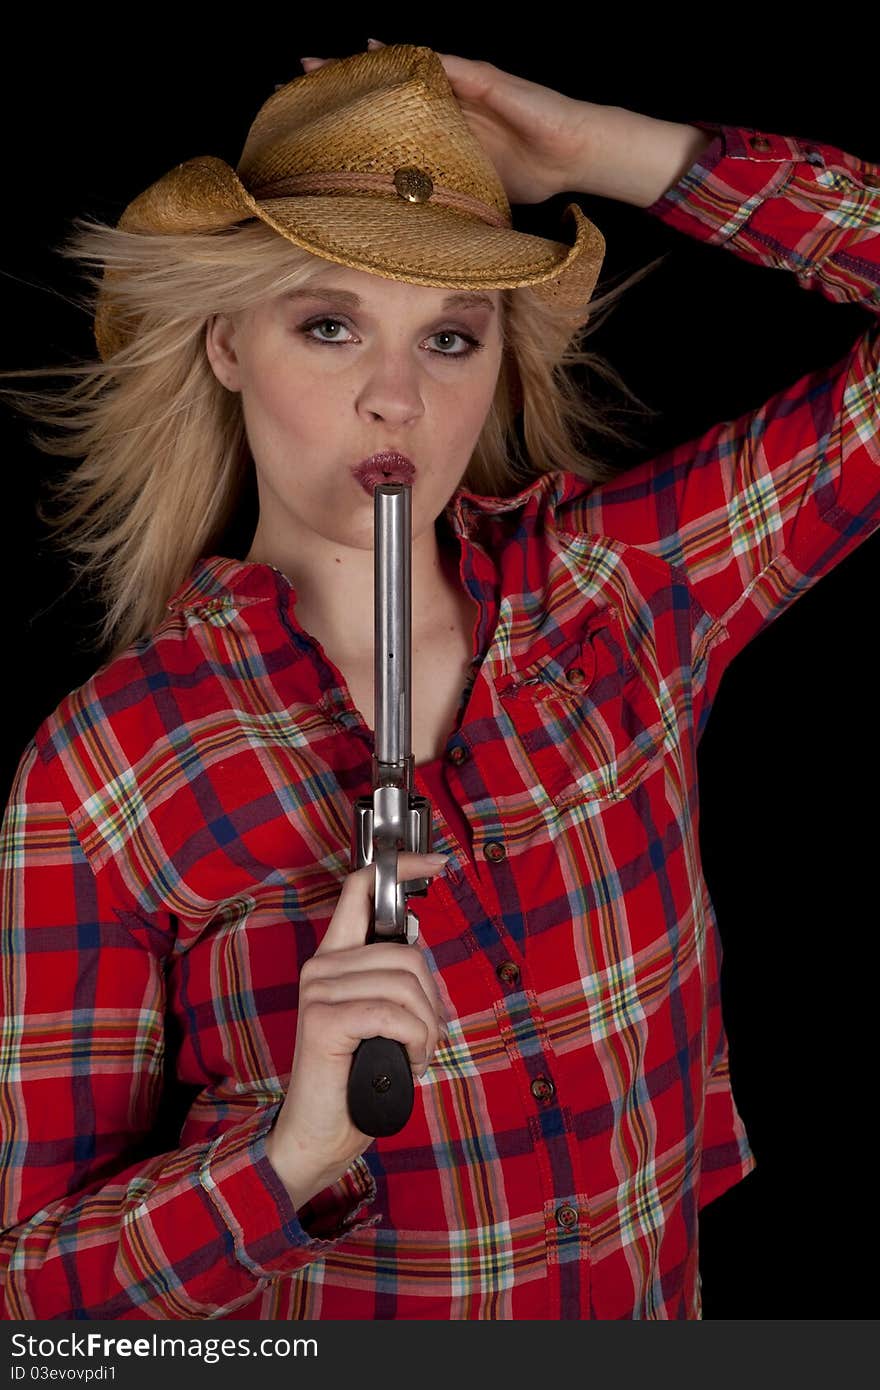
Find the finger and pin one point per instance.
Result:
(469, 79)
(309, 64)
(399, 987)
(351, 919)
(380, 956)
(336, 1029)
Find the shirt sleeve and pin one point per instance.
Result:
(750, 514)
(88, 1230)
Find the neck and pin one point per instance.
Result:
(334, 592)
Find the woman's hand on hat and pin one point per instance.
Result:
(538, 140)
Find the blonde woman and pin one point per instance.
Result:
(181, 934)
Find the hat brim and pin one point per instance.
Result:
(429, 244)
(422, 243)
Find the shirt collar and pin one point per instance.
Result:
(464, 505)
(217, 581)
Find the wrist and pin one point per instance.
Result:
(634, 158)
(300, 1178)
(302, 1173)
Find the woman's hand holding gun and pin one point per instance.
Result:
(349, 991)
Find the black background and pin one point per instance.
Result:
(789, 760)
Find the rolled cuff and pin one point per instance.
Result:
(269, 1236)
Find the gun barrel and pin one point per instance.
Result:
(393, 626)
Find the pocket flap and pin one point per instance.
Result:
(569, 659)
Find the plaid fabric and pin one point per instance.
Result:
(178, 833)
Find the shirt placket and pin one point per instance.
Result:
(501, 982)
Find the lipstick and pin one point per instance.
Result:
(387, 467)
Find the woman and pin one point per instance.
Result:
(185, 979)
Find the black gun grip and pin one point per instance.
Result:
(380, 1087)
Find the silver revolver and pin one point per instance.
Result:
(394, 819)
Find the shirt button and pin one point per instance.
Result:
(542, 1088)
(458, 754)
(566, 1216)
(508, 973)
(575, 675)
(760, 142)
(495, 851)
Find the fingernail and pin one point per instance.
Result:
(374, 43)
(439, 859)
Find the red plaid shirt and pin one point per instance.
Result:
(178, 834)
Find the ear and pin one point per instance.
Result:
(220, 349)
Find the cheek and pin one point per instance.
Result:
(473, 403)
(464, 422)
(299, 407)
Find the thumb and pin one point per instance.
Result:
(350, 922)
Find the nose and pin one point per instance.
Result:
(392, 391)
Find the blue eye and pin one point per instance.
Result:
(473, 344)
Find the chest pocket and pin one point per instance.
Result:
(587, 719)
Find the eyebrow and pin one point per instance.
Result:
(350, 300)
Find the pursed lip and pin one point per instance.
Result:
(387, 467)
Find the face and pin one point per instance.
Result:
(329, 379)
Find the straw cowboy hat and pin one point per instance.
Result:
(368, 161)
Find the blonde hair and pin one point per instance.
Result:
(165, 470)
